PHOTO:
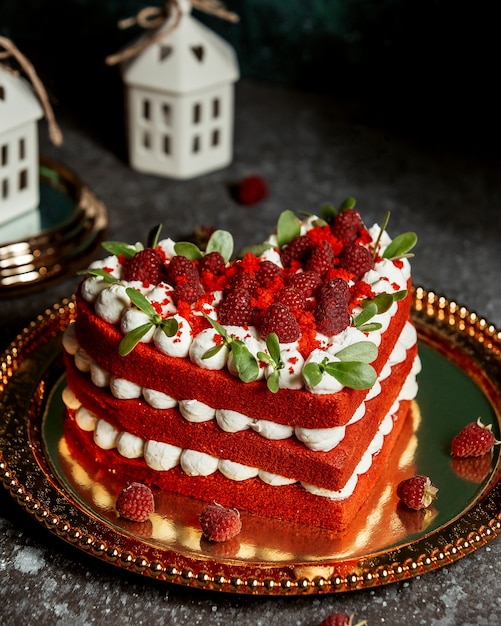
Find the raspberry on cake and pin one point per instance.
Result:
(276, 383)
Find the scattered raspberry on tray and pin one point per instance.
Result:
(136, 502)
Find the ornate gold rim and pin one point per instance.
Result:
(440, 323)
(60, 251)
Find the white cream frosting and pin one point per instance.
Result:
(162, 456)
(158, 399)
(111, 301)
(204, 341)
(179, 344)
(317, 439)
(196, 411)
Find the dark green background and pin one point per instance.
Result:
(426, 67)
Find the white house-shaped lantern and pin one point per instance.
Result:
(180, 103)
(20, 111)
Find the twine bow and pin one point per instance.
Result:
(153, 18)
(10, 50)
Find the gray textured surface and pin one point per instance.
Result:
(310, 150)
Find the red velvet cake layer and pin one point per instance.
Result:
(181, 379)
(289, 502)
(286, 457)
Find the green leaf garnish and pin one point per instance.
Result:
(188, 249)
(153, 236)
(400, 246)
(256, 250)
(273, 346)
(106, 276)
(367, 313)
(170, 326)
(221, 241)
(142, 303)
(369, 328)
(328, 213)
(362, 351)
(120, 248)
(132, 338)
(288, 228)
(273, 382)
(208, 354)
(349, 203)
(312, 374)
(351, 374)
(382, 228)
(383, 302)
(245, 362)
(217, 326)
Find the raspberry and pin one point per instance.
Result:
(236, 308)
(220, 524)
(251, 189)
(242, 280)
(472, 468)
(337, 289)
(212, 262)
(145, 266)
(308, 282)
(356, 259)
(297, 250)
(476, 439)
(347, 226)
(278, 319)
(188, 292)
(292, 298)
(267, 272)
(321, 259)
(136, 502)
(417, 492)
(181, 269)
(341, 619)
(331, 316)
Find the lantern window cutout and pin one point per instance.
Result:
(180, 101)
(20, 111)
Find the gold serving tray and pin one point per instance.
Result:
(461, 379)
(73, 224)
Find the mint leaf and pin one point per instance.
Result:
(246, 364)
(273, 346)
(349, 203)
(363, 351)
(367, 313)
(400, 246)
(119, 247)
(288, 228)
(221, 241)
(153, 236)
(368, 328)
(383, 302)
(212, 351)
(256, 250)
(328, 213)
(109, 278)
(399, 295)
(273, 382)
(188, 249)
(170, 326)
(352, 374)
(142, 303)
(217, 326)
(312, 374)
(132, 338)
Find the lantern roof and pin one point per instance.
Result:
(18, 103)
(190, 58)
